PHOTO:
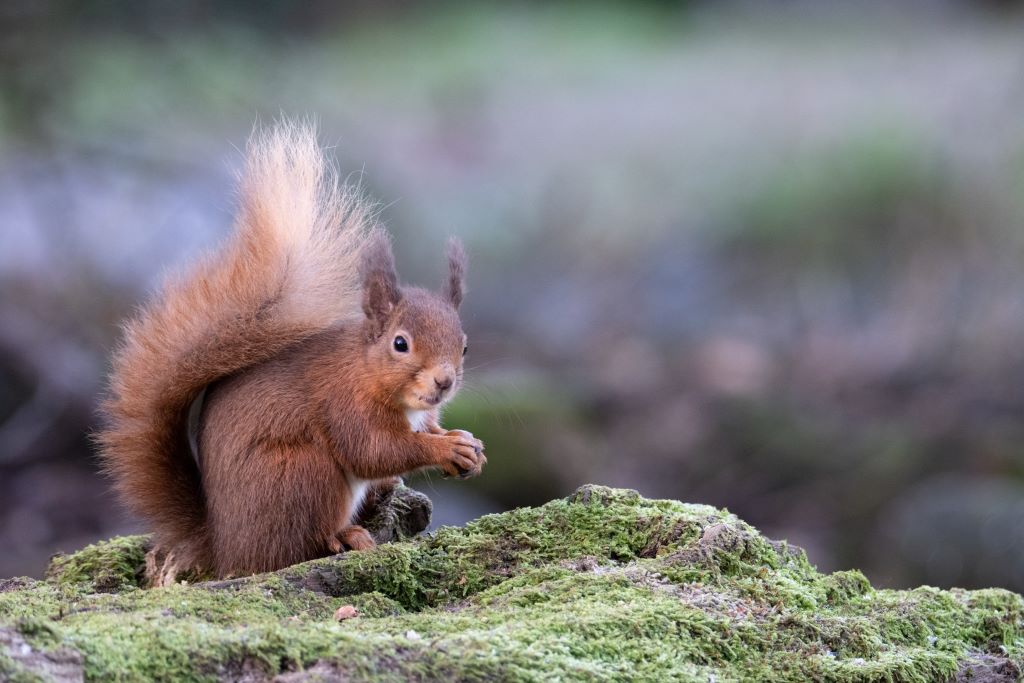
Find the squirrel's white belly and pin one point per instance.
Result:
(417, 419)
(358, 488)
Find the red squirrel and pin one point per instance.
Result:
(323, 377)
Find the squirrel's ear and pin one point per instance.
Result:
(455, 286)
(380, 281)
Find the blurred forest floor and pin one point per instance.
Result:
(772, 263)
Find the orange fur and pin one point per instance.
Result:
(308, 400)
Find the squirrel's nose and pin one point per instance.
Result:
(445, 383)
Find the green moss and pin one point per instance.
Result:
(842, 587)
(603, 585)
(10, 671)
(31, 598)
(106, 566)
(457, 562)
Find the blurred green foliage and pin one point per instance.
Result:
(836, 207)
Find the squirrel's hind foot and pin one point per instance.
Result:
(161, 569)
(356, 537)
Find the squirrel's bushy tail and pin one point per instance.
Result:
(289, 270)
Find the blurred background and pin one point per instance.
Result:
(767, 256)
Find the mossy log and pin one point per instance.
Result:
(602, 585)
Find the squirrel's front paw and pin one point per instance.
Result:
(466, 458)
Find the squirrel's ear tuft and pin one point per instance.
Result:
(455, 286)
(380, 281)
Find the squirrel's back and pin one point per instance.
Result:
(288, 271)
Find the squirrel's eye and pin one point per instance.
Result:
(400, 344)
(465, 349)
